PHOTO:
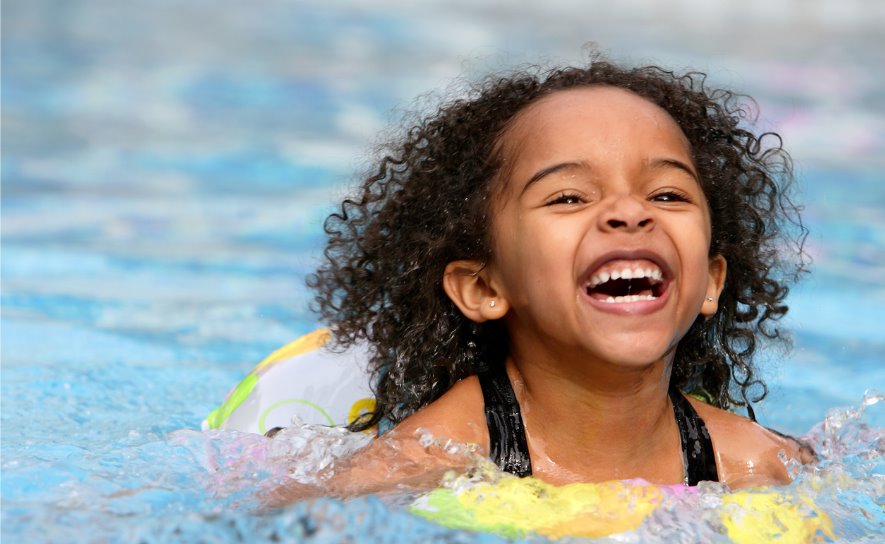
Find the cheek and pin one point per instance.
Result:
(542, 261)
(698, 251)
(523, 261)
(695, 229)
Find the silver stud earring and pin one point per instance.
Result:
(492, 304)
(710, 299)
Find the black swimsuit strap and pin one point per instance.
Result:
(697, 449)
(507, 444)
(509, 450)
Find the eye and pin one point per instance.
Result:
(670, 195)
(565, 198)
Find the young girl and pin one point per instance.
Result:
(572, 269)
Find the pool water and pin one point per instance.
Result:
(166, 167)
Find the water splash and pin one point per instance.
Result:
(193, 485)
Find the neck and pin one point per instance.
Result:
(624, 413)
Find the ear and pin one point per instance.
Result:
(467, 284)
(715, 282)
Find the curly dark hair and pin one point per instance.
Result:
(428, 203)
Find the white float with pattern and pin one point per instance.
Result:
(302, 379)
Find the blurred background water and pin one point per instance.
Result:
(166, 166)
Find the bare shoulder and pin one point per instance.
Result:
(398, 460)
(457, 415)
(748, 454)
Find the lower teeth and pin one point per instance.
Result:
(629, 298)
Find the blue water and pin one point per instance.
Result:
(166, 167)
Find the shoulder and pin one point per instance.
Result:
(400, 460)
(457, 415)
(748, 454)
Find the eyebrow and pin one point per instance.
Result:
(673, 163)
(655, 163)
(544, 172)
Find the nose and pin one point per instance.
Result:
(627, 214)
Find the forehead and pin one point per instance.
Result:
(602, 117)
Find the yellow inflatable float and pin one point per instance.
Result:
(304, 379)
(516, 508)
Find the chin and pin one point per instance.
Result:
(637, 356)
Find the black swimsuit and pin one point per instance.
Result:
(509, 449)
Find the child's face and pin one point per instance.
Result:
(598, 181)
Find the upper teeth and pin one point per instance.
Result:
(626, 274)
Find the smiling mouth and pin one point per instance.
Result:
(622, 281)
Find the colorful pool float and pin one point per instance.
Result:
(516, 508)
(303, 379)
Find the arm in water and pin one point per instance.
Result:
(450, 434)
(399, 462)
